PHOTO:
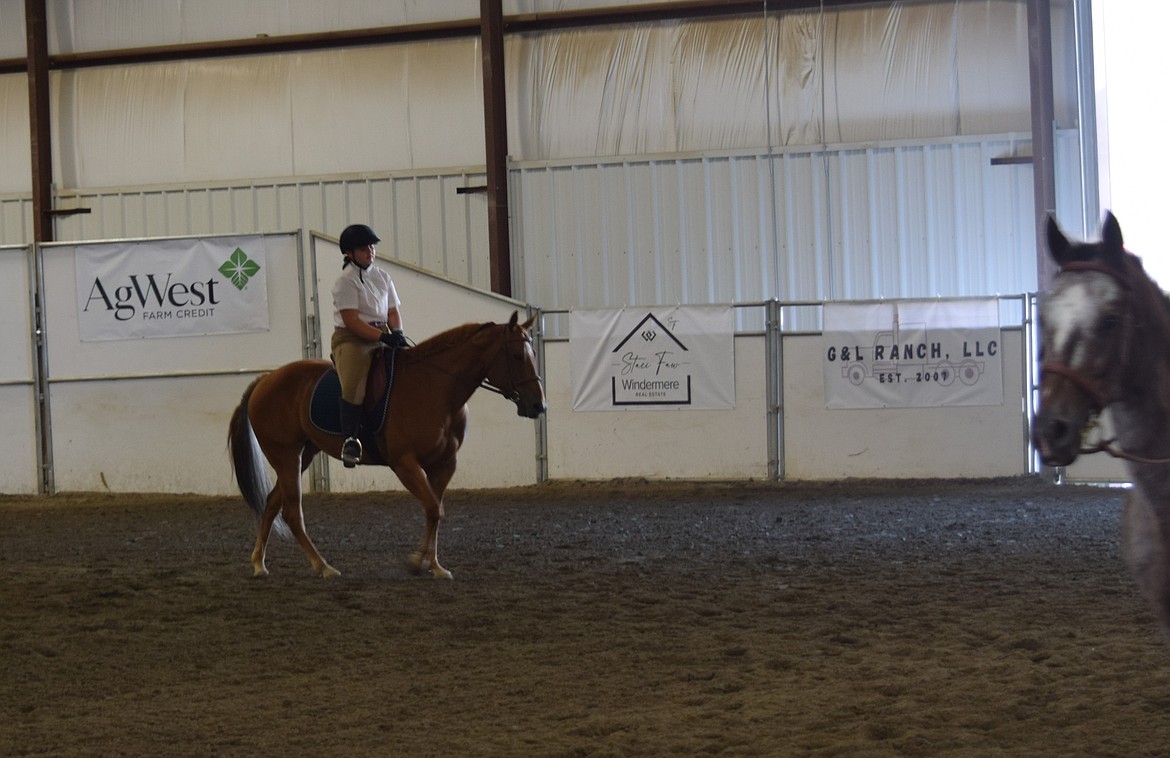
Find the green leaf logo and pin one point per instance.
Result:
(239, 268)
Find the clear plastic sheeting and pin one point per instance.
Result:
(85, 26)
(77, 26)
(899, 71)
(333, 112)
(904, 70)
(12, 35)
(15, 155)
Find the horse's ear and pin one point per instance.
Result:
(515, 318)
(1058, 244)
(531, 320)
(1110, 234)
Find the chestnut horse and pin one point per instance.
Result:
(423, 431)
(1105, 344)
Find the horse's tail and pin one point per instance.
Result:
(248, 462)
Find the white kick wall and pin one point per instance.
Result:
(151, 415)
(19, 458)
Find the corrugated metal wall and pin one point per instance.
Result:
(884, 220)
(422, 218)
(881, 220)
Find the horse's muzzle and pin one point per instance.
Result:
(530, 408)
(1057, 439)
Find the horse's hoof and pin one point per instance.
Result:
(415, 563)
(259, 572)
(328, 572)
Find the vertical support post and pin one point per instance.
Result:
(538, 346)
(46, 482)
(36, 26)
(496, 137)
(37, 51)
(774, 386)
(1043, 125)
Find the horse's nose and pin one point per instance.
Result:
(1056, 429)
(1058, 441)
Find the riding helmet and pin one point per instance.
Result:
(356, 235)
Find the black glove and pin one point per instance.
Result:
(393, 339)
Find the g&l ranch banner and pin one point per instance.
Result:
(657, 358)
(912, 354)
(171, 288)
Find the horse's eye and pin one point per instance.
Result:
(1109, 324)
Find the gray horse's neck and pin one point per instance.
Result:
(1142, 420)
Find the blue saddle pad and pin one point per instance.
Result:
(325, 405)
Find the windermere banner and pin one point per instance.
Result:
(912, 354)
(653, 359)
(171, 288)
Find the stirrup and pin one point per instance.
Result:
(351, 452)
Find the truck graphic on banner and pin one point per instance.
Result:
(916, 360)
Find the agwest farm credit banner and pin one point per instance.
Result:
(912, 354)
(653, 359)
(171, 288)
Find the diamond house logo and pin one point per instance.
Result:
(652, 367)
(239, 268)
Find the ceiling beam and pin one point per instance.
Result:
(528, 22)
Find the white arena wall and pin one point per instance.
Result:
(801, 439)
(18, 435)
(664, 444)
(151, 415)
(901, 443)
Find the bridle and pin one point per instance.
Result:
(514, 394)
(1091, 389)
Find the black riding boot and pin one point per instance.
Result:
(351, 449)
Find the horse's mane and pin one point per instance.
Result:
(1154, 303)
(443, 340)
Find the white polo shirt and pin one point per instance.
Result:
(371, 293)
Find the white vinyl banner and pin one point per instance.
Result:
(172, 288)
(660, 358)
(912, 354)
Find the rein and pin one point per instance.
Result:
(514, 395)
(1088, 388)
(1109, 446)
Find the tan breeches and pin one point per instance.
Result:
(351, 356)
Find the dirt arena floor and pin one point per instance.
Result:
(619, 619)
